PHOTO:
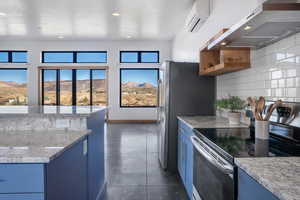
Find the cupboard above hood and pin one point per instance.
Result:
(269, 23)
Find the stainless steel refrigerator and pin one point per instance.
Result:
(181, 92)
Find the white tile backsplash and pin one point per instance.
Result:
(274, 73)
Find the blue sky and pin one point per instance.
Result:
(140, 76)
(19, 76)
(50, 75)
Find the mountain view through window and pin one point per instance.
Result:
(139, 87)
(13, 87)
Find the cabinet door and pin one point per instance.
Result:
(181, 155)
(179, 150)
(249, 189)
(189, 168)
(67, 174)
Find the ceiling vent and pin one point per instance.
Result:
(198, 15)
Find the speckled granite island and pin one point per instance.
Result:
(52, 152)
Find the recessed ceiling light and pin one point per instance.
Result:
(223, 43)
(115, 14)
(60, 37)
(2, 14)
(247, 28)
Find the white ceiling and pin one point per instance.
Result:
(92, 19)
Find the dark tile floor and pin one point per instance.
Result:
(132, 166)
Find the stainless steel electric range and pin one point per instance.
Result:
(214, 174)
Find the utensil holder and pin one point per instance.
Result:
(262, 129)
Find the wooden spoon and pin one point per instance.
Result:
(261, 106)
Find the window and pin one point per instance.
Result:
(138, 87)
(13, 56)
(74, 87)
(58, 57)
(50, 87)
(74, 56)
(65, 87)
(91, 57)
(13, 87)
(129, 57)
(83, 90)
(139, 57)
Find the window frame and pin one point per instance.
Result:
(19, 68)
(74, 83)
(140, 56)
(120, 85)
(74, 56)
(10, 57)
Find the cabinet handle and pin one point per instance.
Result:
(85, 147)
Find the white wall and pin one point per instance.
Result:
(35, 48)
(224, 14)
(274, 73)
(275, 70)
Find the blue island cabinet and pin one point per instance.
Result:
(185, 156)
(21, 181)
(250, 189)
(66, 175)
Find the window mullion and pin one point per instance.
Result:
(58, 87)
(74, 79)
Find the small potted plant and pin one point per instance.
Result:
(234, 104)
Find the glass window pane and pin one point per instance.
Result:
(149, 57)
(13, 87)
(99, 87)
(83, 87)
(66, 87)
(19, 57)
(91, 57)
(139, 87)
(129, 57)
(4, 57)
(50, 87)
(59, 57)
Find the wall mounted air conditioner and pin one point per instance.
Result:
(198, 15)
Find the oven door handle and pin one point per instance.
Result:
(225, 167)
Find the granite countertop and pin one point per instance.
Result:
(281, 176)
(208, 122)
(14, 111)
(36, 147)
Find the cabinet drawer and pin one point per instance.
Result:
(21, 178)
(22, 196)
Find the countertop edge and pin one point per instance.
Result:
(259, 179)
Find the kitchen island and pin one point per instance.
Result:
(52, 152)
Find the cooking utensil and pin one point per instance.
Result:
(270, 111)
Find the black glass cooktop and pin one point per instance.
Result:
(240, 142)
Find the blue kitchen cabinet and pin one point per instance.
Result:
(96, 156)
(185, 156)
(35, 196)
(249, 189)
(66, 177)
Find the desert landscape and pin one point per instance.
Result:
(83, 92)
(138, 94)
(13, 93)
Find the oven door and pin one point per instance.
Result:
(212, 175)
